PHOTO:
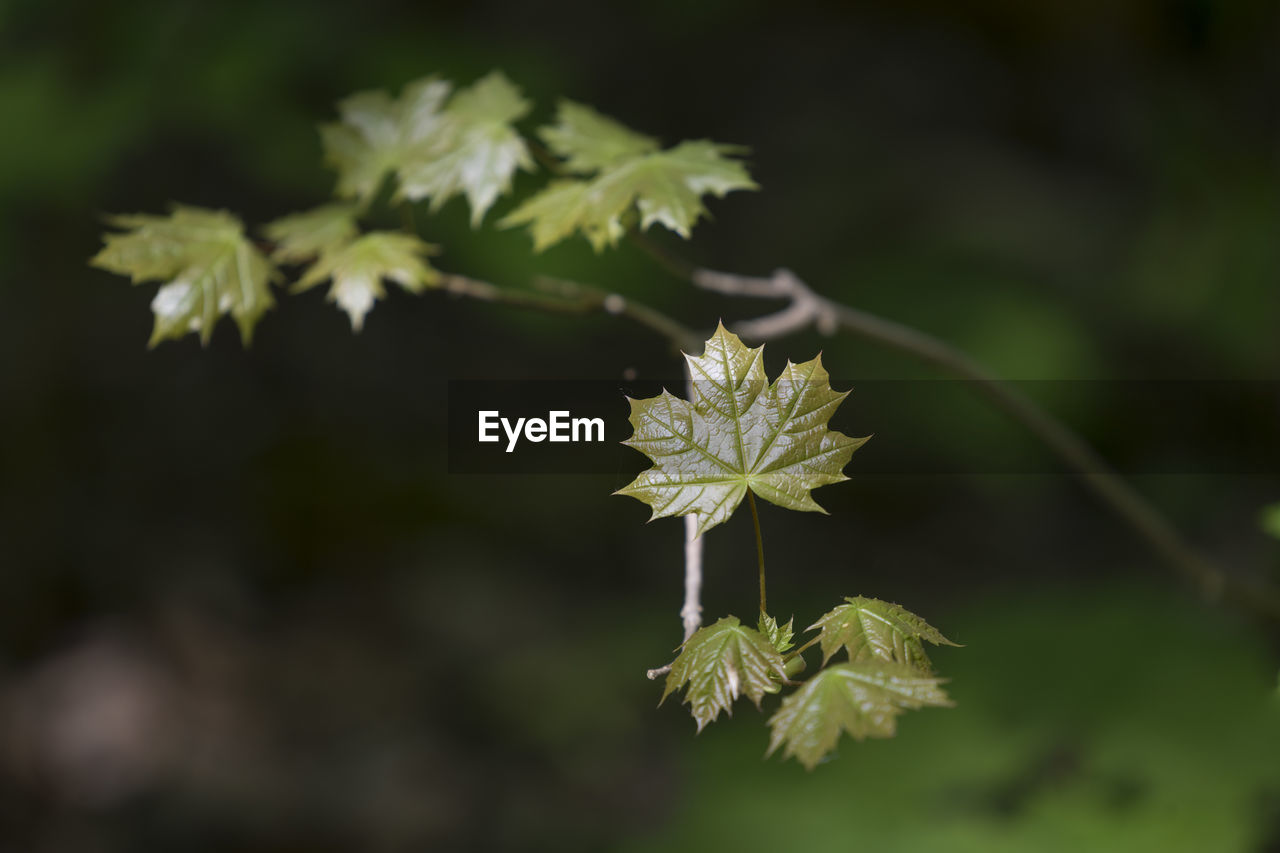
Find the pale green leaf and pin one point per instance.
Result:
(436, 150)
(476, 151)
(870, 629)
(779, 635)
(624, 174)
(208, 266)
(378, 133)
(740, 433)
(862, 699)
(303, 236)
(358, 269)
(589, 141)
(720, 663)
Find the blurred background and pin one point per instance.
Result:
(243, 605)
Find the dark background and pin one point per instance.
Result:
(244, 607)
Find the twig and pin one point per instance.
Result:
(807, 308)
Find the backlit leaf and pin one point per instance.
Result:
(870, 629)
(303, 236)
(740, 433)
(779, 635)
(208, 266)
(720, 663)
(589, 141)
(862, 699)
(624, 172)
(358, 269)
(436, 146)
(378, 133)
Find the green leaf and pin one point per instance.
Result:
(627, 173)
(720, 663)
(869, 629)
(779, 635)
(303, 236)
(863, 699)
(378, 133)
(358, 269)
(589, 141)
(436, 151)
(740, 433)
(476, 151)
(208, 265)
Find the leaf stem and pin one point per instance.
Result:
(755, 520)
(796, 652)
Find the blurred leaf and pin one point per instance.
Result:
(302, 236)
(589, 141)
(665, 187)
(863, 699)
(358, 268)
(720, 663)
(870, 629)
(742, 433)
(779, 635)
(476, 151)
(378, 133)
(1270, 520)
(209, 267)
(436, 151)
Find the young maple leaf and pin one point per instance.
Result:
(720, 663)
(863, 699)
(623, 171)
(437, 146)
(357, 265)
(870, 629)
(209, 267)
(740, 433)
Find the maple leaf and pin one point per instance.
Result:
(378, 133)
(626, 172)
(863, 699)
(870, 629)
(779, 635)
(357, 265)
(720, 663)
(477, 152)
(436, 150)
(208, 265)
(303, 236)
(740, 433)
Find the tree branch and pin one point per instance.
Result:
(807, 308)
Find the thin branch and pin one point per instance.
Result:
(807, 308)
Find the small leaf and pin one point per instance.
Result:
(870, 629)
(303, 236)
(863, 699)
(624, 172)
(476, 151)
(720, 663)
(378, 133)
(358, 268)
(780, 636)
(741, 433)
(589, 141)
(435, 150)
(209, 267)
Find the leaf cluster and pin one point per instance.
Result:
(744, 434)
(431, 143)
